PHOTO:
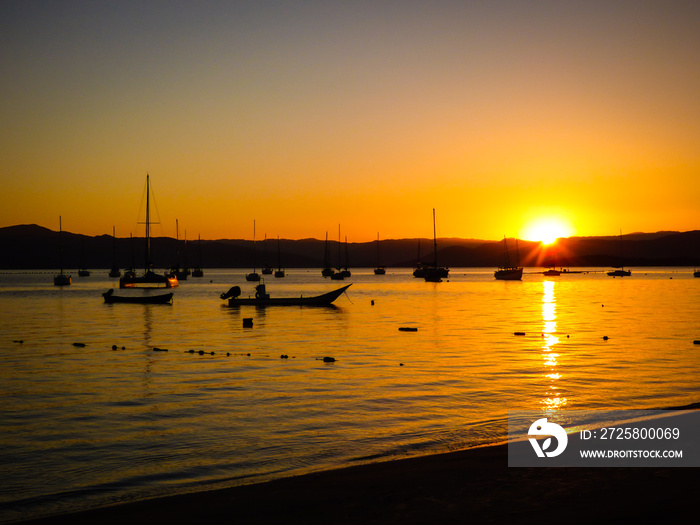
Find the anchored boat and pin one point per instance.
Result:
(262, 298)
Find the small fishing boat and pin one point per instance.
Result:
(552, 272)
(508, 272)
(110, 298)
(262, 298)
(327, 271)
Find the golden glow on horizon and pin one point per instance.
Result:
(547, 230)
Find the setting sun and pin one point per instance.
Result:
(547, 230)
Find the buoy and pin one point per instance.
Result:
(567, 336)
(372, 302)
(696, 342)
(20, 341)
(400, 364)
(201, 352)
(228, 354)
(80, 345)
(248, 354)
(518, 333)
(114, 347)
(407, 329)
(329, 359)
(605, 338)
(156, 349)
(248, 322)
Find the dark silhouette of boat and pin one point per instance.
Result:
(267, 269)
(110, 298)
(176, 271)
(83, 271)
(61, 279)
(327, 271)
(380, 269)
(552, 272)
(434, 273)
(149, 279)
(279, 272)
(508, 272)
(262, 298)
(620, 272)
(197, 272)
(253, 276)
(114, 272)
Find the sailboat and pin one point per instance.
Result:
(253, 276)
(149, 279)
(267, 270)
(180, 274)
(114, 272)
(338, 275)
(346, 272)
(435, 273)
(508, 272)
(279, 272)
(327, 271)
(197, 272)
(419, 270)
(379, 270)
(83, 271)
(620, 272)
(61, 279)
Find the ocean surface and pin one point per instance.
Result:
(84, 426)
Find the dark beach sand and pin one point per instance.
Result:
(470, 486)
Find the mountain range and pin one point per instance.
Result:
(35, 247)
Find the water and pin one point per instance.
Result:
(88, 426)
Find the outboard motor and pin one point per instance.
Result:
(260, 292)
(235, 291)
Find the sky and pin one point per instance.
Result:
(300, 116)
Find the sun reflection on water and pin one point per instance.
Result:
(553, 399)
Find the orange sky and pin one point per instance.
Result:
(305, 115)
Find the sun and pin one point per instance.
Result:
(547, 230)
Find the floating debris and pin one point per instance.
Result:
(156, 349)
(407, 329)
(284, 356)
(80, 345)
(20, 341)
(696, 342)
(518, 333)
(329, 359)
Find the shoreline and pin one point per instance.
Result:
(453, 487)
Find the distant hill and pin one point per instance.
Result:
(33, 247)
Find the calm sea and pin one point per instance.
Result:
(88, 426)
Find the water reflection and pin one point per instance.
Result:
(553, 399)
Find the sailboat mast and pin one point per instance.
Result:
(148, 224)
(60, 244)
(434, 240)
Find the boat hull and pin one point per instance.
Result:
(620, 273)
(509, 274)
(318, 300)
(165, 298)
(148, 280)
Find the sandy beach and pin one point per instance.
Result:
(470, 486)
